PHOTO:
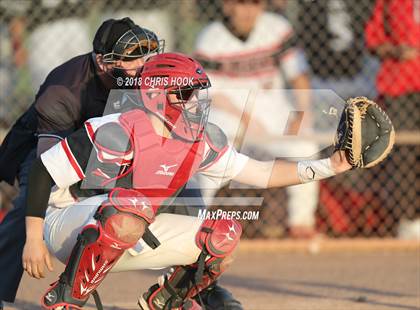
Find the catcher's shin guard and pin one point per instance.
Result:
(217, 239)
(120, 224)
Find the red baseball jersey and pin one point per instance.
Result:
(396, 22)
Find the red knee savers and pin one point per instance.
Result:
(131, 201)
(219, 237)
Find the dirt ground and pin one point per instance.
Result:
(276, 280)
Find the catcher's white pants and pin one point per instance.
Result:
(176, 234)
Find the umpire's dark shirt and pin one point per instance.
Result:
(71, 94)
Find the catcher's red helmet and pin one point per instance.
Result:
(175, 88)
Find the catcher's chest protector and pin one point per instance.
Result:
(160, 166)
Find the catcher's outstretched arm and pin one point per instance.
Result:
(365, 137)
(281, 173)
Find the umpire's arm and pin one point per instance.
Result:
(58, 113)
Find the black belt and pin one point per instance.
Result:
(150, 239)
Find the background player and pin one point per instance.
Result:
(241, 55)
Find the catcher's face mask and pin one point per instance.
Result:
(193, 105)
(184, 110)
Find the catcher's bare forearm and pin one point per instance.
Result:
(280, 173)
(283, 173)
(266, 174)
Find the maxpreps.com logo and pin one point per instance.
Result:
(165, 170)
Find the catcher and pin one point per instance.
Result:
(134, 162)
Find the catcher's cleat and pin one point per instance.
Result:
(150, 301)
(216, 297)
(58, 297)
(52, 299)
(176, 290)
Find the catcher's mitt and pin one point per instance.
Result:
(365, 132)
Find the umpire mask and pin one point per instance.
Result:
(124, 41)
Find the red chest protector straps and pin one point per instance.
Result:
(161, 166)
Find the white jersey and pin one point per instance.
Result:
(70, 161)
(262, 62)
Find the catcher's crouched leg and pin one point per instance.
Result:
(180, 289)
(121, 222)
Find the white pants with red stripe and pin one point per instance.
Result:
(176, 234)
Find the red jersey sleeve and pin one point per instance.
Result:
(375, 31)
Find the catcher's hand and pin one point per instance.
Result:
(364, 132)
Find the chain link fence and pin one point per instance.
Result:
(353, 48)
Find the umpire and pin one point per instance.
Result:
(72, 93)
